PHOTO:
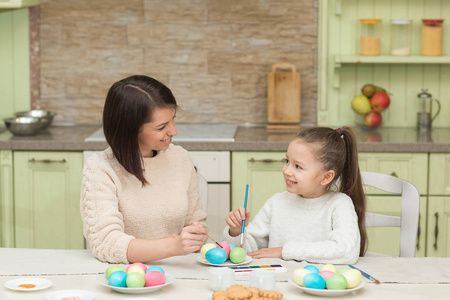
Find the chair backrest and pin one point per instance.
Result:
(203, 190)
(409, 219)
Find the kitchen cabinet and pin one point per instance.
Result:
(15, 4)
(43, 206)
(342, 71)
(263, 172)
(6, 199)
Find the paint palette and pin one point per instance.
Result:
(241, 270)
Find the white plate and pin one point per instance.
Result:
(70, 294)
(40, 284)
(327, 293)
(126, 290)
(227, 263)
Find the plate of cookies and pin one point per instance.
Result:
(241, 292)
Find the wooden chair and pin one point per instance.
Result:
(408, 221)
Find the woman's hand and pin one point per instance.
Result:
(191, 238)
(234, 220)
(267, 253)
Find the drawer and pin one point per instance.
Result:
(412, 167)
(214, 166)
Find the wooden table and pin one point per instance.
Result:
(77, 269)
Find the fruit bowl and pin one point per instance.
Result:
(369, 105)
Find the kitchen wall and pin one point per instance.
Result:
(215, 55)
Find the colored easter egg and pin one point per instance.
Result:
(329, 267)
(113, 269)
(144, 267)
(154, 278)
(336, 282)
(237, 255)
(216, 256)
(155, 268)
(325, 274)
(314, 281)
(353, 277)
(206, 247)
(232, 246)
(118, 279)
(135, 269)
(312, 268)
(343, 270)
(225, 246)
(135, 280)
(299, 274)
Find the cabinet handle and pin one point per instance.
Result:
(436, 231)
(266, 160)
(394, 174)
(47, 161)
(418, 236)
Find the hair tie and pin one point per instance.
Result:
(339, 131)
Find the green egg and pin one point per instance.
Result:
(237, 255)
(336, 282)
(343, 270)
(113, 269)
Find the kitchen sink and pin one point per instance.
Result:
(189, 133)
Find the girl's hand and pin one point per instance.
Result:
(191, 238)
(234, 220)
(267, 253)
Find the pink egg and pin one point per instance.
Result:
(154, 278)
(325, 274)
(144, 267)
(225, 246)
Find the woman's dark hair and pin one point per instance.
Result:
(130, 103)
(337, 151)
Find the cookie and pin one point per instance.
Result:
(270, 294)
(254, 291)
(238, 292)
(220, 295)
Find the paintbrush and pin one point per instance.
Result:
(215, 241)
(366, 275)
(243, 221)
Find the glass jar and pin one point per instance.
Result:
(370, 41)
(401, 37)
(432, 32)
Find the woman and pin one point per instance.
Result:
(139, 198)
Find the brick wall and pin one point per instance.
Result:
(214, 54)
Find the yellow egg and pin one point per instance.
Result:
(353, 277)
(206, 247)
(299, 274)
(329, 267)
(135, 269)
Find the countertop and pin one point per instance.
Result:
(247, 138)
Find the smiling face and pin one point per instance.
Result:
(157, 134)
(303, 173)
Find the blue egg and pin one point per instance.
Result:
(232, 246)
(118, 279)
(314, 281)
(216, 256)
(155, 268)
(312, 268)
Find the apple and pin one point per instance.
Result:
(380, 101)
(373, 119)
(361, 104)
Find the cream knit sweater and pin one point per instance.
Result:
(320, 230)
(116, 208)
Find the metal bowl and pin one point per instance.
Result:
(46, 117)
(23, 125)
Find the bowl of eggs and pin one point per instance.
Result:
(223, 254)
(136, 278)
(327, 281)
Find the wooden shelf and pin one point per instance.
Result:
(14, 4)
(356, 59)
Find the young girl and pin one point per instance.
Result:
(320, 217)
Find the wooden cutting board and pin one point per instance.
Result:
(283, 94)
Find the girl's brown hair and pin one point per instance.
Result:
(337, 151)
(129, 104)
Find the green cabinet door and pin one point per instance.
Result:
(6, 199)
(438, 240)
(47, 196)
(262, 171)
(386, 240)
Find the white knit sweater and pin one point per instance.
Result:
(320, 230)
(116, 208)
